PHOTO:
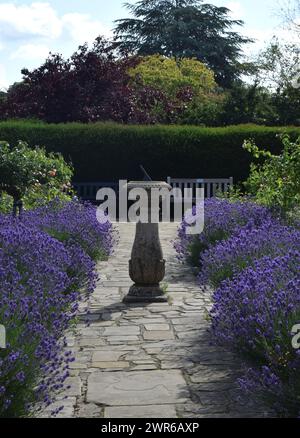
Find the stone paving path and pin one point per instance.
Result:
(150, 360)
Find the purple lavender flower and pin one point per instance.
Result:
(221, 219)
(76, 223)
(253, 314)
(246, 245)
(46, 263)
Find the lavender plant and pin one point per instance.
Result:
(253, 314)
(74, 223)
(221, 218)
(253, 259)
(35, 309)
(45, 266)
(244, 247)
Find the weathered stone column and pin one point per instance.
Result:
(147, 265)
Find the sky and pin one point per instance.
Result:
(29, 30)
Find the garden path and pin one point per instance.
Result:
(151, 360)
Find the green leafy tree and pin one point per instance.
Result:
(289, 11)
(276, 182)
(277, 65)
(278, 73)
(172, 75)
(272, 97)
(249, 103)
(31, 175)
(184, 28)
(186, 81)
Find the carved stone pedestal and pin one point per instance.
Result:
(147, 265)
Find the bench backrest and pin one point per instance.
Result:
(210, 185)
(88, 190)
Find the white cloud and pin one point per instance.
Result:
(37, 19)
(31, 52)
(237, 11)
(83, 28)
(30, 30)
(41, 21)
(263, 37)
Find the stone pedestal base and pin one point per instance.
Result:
(145, 294)
(147, 265)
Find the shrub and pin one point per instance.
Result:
(45, 270)
(93, 85)
(253, 260)
(222, 218)
(244, 247)
(253, 314)
(74, 223)
(187, 83)
(111, 152)
(35, 309)
(276, 182)
(203, 111)
(32, 174)
(171, 75)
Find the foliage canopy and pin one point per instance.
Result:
(184, 29)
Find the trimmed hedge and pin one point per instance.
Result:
(107, 151)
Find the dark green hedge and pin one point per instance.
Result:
(107, 152)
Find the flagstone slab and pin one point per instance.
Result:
(157, 327)
(144, 367)
(106, 356)
(158, 335)
(120, 331)
(111, 365)
(137, 388)
(122, 339)
(158, 411)
(91, 342)
(73, 385)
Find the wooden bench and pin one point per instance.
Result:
(210, 185)
(88, 190)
